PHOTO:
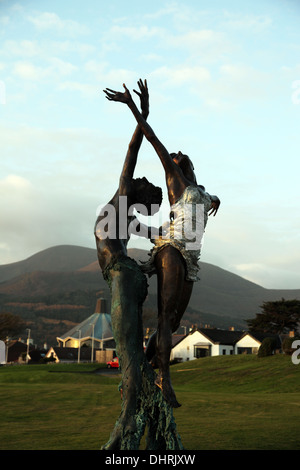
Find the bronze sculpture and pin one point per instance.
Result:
(142, 402)
(175, 265)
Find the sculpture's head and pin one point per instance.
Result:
(147, 195)
(186, 165)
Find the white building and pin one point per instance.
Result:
(215, 342)
(2, 352)
(249, 343)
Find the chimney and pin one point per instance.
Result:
(101, 306)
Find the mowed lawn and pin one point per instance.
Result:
(228, 403)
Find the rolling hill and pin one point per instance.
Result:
(60, 284)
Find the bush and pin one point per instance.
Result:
(46, 360)
(267, 347)
(287, 345)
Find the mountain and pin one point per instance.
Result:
(60, 284)
(58, 258)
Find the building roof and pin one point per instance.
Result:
(259, 336)
(176, 339)
(97, 326)
(15, 349)
(70, 354)
(226, 337)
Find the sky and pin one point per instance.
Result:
(224, 85)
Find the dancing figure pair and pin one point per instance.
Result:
(176, 266)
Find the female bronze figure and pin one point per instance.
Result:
(176, 266)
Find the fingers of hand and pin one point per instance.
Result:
(110, 96)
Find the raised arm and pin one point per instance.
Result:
(136, 140)
(174, 177)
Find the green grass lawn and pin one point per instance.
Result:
(231, 403)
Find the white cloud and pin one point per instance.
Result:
(103, 73)
(204, 46)
(238, 82)
(250, 22)
(48, 21)
(23, 48)
(67, 46)
(14, 183)
(136, 33)
(86, 89)
(61, 67)
(55, 69)
(4, 20)
(181, 75)
(152, 57)
(226, 88)
(29, 71)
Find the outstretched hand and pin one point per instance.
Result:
(215, 204)
(126, 98)
(144, 95)
(113, 95)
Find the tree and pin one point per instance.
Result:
(10, 325)
(287, 345)
(267, 347)
(277, 317)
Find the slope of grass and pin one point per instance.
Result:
(235, 374)
(237, 402)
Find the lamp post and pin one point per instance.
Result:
(92, 356)
(28, 338)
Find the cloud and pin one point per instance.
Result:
(4, 20)
(29, 71)
(55, 181)
(71, 46)
(56, 68)
(249, 22)
(226, 88)
(258, 248)
(14, 182)
(237, 84)
(206, 46)
(86, 89)
(51, 22)
(181, 74)
(23, 48)
(16, 194)
(36, 216)
(103, 73)
(135, 33)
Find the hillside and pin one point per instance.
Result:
(59, 258)
(231, 403)
(59, 285)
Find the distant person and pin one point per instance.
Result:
(175, 264)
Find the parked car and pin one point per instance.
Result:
(113, 363)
